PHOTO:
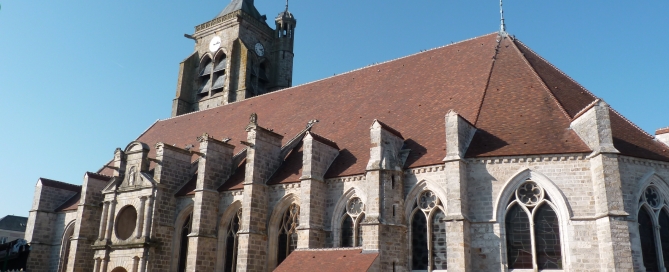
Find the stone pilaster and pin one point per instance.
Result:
(173, 170)
(214, 167)
(318, 154)
(459, 134)
(262, 159)
(384, 228)
(85, 233)
(594, 128)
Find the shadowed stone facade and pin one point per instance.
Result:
(413, 186)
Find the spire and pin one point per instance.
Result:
(286, 5)
(502, 27)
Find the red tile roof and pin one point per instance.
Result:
(328, 260)
(71, 204)
(662, 131)
(520, 104)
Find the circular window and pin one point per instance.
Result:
(427, 200)
(354, 206)
(126, 222)
(529, 193)
(652, 197)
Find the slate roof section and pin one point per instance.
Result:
(328, 260)
(520, 104)
(60, 185)
(243, 5)
(13, 223)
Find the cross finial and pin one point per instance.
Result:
(502, 27)
(286, 5)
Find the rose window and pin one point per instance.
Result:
(529, 193)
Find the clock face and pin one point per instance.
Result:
(215, 44)
(260, 50)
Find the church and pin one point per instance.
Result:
(476, 156)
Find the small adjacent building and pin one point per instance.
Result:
(12, 228)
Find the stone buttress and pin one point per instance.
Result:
(384, 227)
(262, 159)
(459, 134)
(214, 167)
(593, 126)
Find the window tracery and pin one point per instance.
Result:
(183, 249)
(351, 229)
(288, 232)
(231, 242)
(428, 233)
(653, 223)
(532, 230)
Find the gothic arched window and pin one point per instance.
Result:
(219, 73)
(288, 232)
(66, 243)
(428, 233)
(183, 235)
(351, 231)
(231, 242)
(528, 248)
(653, 222)
(206, 68)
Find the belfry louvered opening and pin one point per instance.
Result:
(206, 67)
(219, 73)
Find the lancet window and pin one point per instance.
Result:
(532, 230)
(231, 242)
(219, 73)
(183, 236)
(428, 234)
(653, 222)
(288, 232)
(206, 68)
(351, 231)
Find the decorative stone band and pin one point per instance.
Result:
(229, 16)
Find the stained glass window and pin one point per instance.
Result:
(664, 236)
(231, 243)
(288, 232)
(547, 238)
(347, 231)
(439, 240)
(183, 250)
(419, 249)
(518, 238)
(360, 219)
(648, 247)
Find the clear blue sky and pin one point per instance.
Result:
(79, 78)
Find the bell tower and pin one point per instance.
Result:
(237, 56)
(283, 47)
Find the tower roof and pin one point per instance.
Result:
(243, 5)
(520, 104)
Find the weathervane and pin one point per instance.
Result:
(502, 28)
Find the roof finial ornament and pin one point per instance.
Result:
(502, 27)
(286, 5)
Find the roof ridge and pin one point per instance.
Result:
(588, 107)
(543, 83)
(59, 182)
(337, 75)
(487, 83)
(556, 69)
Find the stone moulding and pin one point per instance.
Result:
(345, 179)
(646, 162)
(229, 16)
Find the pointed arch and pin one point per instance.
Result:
(223, 225)
(650, 178)
(339, 214)
(508, 190)
(65, 245)
(273, 226)
(558, 204)
(181, 218)
(421, 186)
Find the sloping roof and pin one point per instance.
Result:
(520, 104)
(328, 260)
(60, 185)
(13, 223)
(243, 5)
(71, 204)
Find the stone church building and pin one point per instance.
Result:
(476, 156)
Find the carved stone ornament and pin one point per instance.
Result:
(205, 137)
(253, 119)
(530, 193)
